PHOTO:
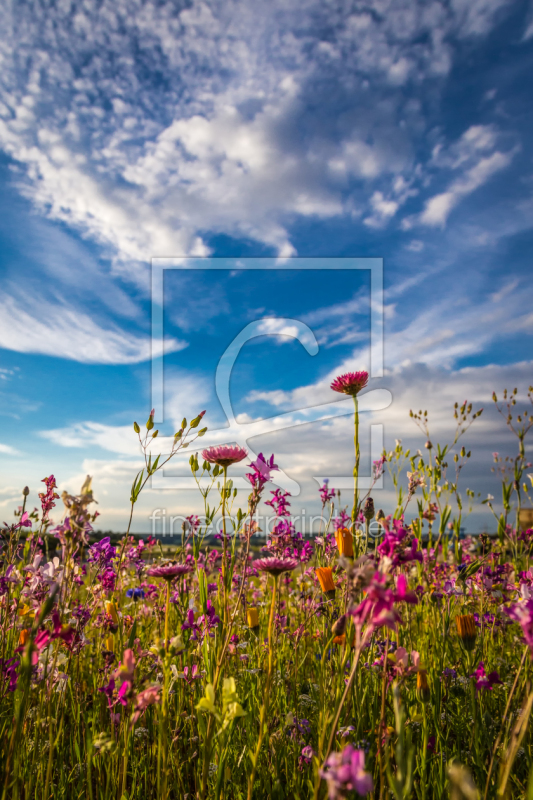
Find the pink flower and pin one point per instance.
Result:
(275, 566)
(224, 454)
(148, 697)
(484, 681)
(345, 772)
(169, 571)
(523, 614)
(350, 383)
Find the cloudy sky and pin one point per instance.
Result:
(241, 130)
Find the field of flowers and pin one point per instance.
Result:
(385, 657)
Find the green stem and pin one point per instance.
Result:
(264, 707)
(356, 465)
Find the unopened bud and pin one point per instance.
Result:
(422, 689)
(369, 509)
(380, 514)
(136, 428)
(26, 491)
(428, 445)
(339, 626)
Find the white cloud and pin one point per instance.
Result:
(145, 127)
(11, 451)
(58, 329)
(470, 149)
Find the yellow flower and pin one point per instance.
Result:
(252, 615)
(26, 611)
(110, 643)
(207, 703)
(111, 610)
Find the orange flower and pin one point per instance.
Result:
(253, 618)
(340, 639)
(344, 542)
(325, 579)
(466, 628)
(422, 687)
(24, 635)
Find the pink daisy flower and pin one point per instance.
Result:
(350, 383)
(275, 566)
(168, 571)
(225, 454)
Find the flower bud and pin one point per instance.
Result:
(24, 636)
(466, 628)
(252, 615)
(422, 689)
(136, 428)
(25, 491)
(325, 579)
(369, 509)
(339, 626)
(428, 445)
(111, 610)
(344, 541)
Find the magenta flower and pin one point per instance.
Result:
(224, 454)
(345, 772)
(484, 681)
(350, 383)
(169, 571)
(275, 566)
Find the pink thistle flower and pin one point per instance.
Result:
(275, 566)
(225, 454)
(169, 571)
(350, 383)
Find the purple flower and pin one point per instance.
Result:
(191, 625)
(350, 383)
(275, 566)
(169, 571)
(102, 552)
(136, 594)
(483, 681)
(345, 772)
(261, 469)
(224, 455)
(326, 494)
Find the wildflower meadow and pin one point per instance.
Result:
(387, 656)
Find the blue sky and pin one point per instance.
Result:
(131, 130)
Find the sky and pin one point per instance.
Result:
(213, 133)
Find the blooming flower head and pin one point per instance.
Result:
(523, 614)
(169, 571)
(483, 681)
(345, 772)
(224, 454)
(350, 383)
(275, 566)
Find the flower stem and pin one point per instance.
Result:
(356, 464)
(264, 707)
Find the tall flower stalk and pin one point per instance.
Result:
(352, 383)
